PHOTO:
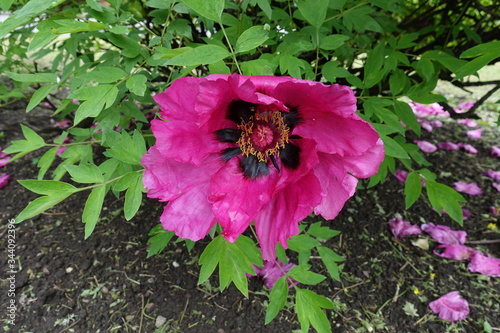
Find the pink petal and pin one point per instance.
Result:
(274, 270)
(4, 161)
(401, 175)
(4, 179)
(494, 210)
(451, 307)
(468, 188)
(484, 265)
(443, 234)
(496, 186)
(425, 146)
(436, 123)
(366, 164)
(467, 122)
(425, 124)
(495, 175)
(454, 251)
(448, 145)
(474, 134)
(434, 109)
(467, 105)
(279, 219)
(468, 148)
(495, 151)
(189, 215)
(401, 228)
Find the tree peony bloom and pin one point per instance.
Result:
(443, 234)
(426, 146)
(451, 307)
(468, 188)
(488, 266)
(401, 228)
(235, 149)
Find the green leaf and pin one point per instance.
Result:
(302, 274)
(394, 149)
(308, 306)
(303, 245)
(48, 187)
(159, 241)
(314, 11)
(137, 84)
(397, 82)
(277, 299)
(39, 205)
(413, 188)
(266, 7)
(406, 114)
(96, 98)
(374, 105)
(321, 232)
(21, 16)
(205, 54)
(425, 68)
(212, 9)
(247, 246)
(33, 78)
(443, 197)
(332, 42)
(46, 161)
(85, 173)
(130, 47)
(39, 95)
(44, 35)
(330, 258)
(251, 38)
(93, 207)
(103, 74)
(210, 258)
(133, 198)
(291, 65)
(71, 26)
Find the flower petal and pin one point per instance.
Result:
(488, 266)
(451, 307)
(401, 228)
(454, 251)
(468, 188)
(443, 234)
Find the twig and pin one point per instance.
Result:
(484, 241)
(142, 313)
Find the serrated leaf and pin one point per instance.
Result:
(96, 98)
(413, 188)
(277, 299)
(410, 309)
(251, 38)
(85, 173)
(210, 9)
(93, 207)
(330, 259)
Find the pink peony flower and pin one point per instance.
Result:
(401, 175)
(495, 175)
(451, 307)
(454, 251)
(443, 234)
(237, 149)
(4, 179)
(425, 146)
(467, 122)
(495, 151)
(401, 228)
(474, 134)
(468, 188)
(468, 148)
(272, 271)
(488, 266)
(448, 145)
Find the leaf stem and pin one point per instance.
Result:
(230, 48)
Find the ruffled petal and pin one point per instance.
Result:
(184, 141)
(337, 185)
(279, 219)
(366, 164)
(236, 200)
(179, 96)
(190, 215)
(167, 179)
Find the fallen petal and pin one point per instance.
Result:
(272, 271)
(425, 146)
(401, 175)
(467, 122)
(443, 234)
(495, 151)
(401, 228)
(495, 175)
(451, 307)
(4, 179)
(468, 188)
(454, 251)
(468, 148)
(474, 134)
(488, 266)
(448, 146)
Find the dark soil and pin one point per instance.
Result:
(105, 283)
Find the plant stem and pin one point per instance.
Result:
(230, 48)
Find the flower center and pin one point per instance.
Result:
(263, 135)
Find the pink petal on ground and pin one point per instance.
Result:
(488, 266)
(451, 307)
(425, 146)
(443, 234)
(274, 270)
(436, 123)
(495, 151)
(474, 134)
(468, 188)
(468, 148)
(494, 211)
(454, 251)
(467, 122)
(425, 124)
(496, 186)
(401, 175)
(4, 179)
(4, 161)
(495, 175)
(448, 145)
(467, 105)
(401, 228)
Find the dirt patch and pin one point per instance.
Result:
(106, 284)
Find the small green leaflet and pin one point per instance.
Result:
(211, 9)
(159, 240)
(277, 299)
(413, 188)
(93, 208)
(314, 11)
(308, 306)
(22, 147)
(444, 197)
(251, 38)
(302, 274)
(204, 54)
